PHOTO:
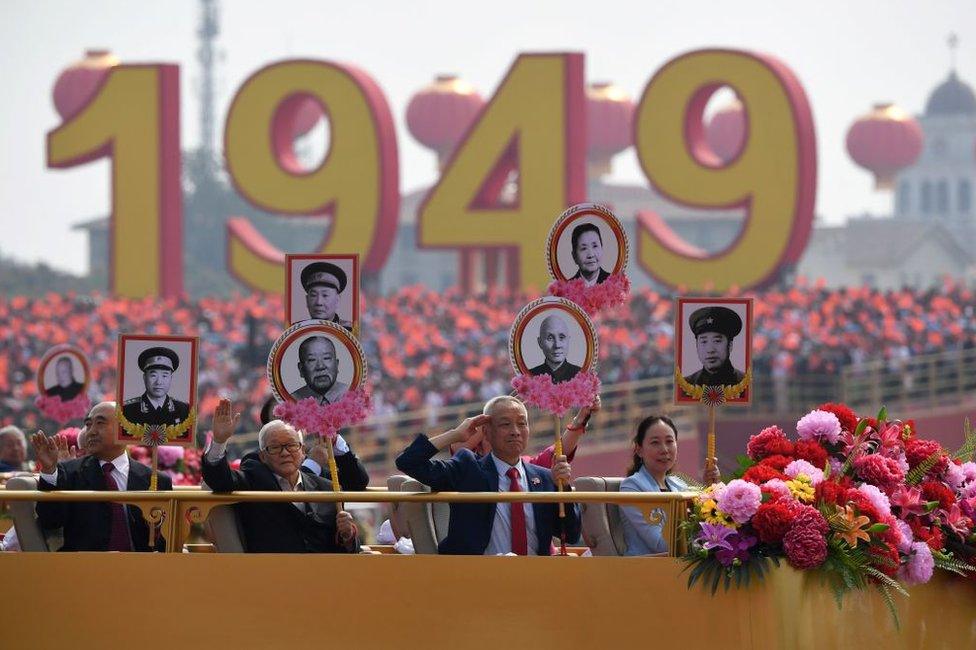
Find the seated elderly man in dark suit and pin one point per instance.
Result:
(94, 526)
(493, 528)
(296, 527)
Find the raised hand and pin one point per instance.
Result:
(470, 427)
(46, 451)
(318, 453)
(62, 446)
(224, 422)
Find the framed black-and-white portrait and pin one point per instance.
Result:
(158, 382)
(63, 372)
(587, 243)
(713, 345)
(322, 287)
(552, 336)
(317, 359)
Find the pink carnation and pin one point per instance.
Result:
(918, 569)
(819, 425)
(954, 476)
(777, 487)
(877, 498)
(878, 470)
(805, 546)
(539, 391)
(905, 544)
(809, 517)
(798, 467)
(740, 499)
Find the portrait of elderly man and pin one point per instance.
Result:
(323, 283)
(67, 387)
(714, 327)
(13, 449)
(588, 254)
(554, 339)
(284, 527)
(94, 526)
(155, 406)
(493, 528)
(319, 368)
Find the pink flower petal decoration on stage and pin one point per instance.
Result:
(540, 392)
(326, 419)
(612, 292)
(61, 411)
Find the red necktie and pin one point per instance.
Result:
(118, 537)
(519, 537)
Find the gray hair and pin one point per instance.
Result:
(13, 431)
(272, 426)
(495, 401)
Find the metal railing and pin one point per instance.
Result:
(173, 513)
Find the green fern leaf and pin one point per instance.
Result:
(889, 602)
(916, 474)
(968, 449)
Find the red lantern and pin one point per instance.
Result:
(609, 115)
(77, 84)
(440, 114)
(726, 131)
(885, 141)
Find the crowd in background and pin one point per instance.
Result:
(426, 349)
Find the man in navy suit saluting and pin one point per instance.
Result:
(493, 528)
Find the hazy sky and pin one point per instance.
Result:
(848, 55)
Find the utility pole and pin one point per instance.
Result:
(206, 55)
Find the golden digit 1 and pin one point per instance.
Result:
(773, 178)
(357, 184)
(535, 124)
(134, 119)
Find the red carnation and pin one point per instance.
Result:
(769, 442)
(863, 504)
(885, 558)
(773, 520)
(831, 491)
(805, 516)
(805, 546)
(918, 449)
(892, 535)
(936, 491)
(777, 462)
(812, 452)
(759, 474)
(878, 470)
(847, 417)
(931, 536)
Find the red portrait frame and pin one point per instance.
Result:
(680, 322)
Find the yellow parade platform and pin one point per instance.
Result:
(84, 600)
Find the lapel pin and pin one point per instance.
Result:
(535, 480)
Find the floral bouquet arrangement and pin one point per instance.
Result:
(864, 501)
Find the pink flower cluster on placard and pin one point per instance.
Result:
(61, 411)
(612, 292)
(326, 419)
(539, 391)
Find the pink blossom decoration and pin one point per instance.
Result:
(777, 487)
(540, 392)
(918, 569)
(326, 419)
(798, 467)
(740, 499)
(169, 455)
(877, 498)
(819, 425)
(612, 292)
(61, 411)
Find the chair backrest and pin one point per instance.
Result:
(397, 518)
(602, 530)
(223, 528)
(427, 522)
(29, 532)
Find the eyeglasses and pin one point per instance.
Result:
(291, 448)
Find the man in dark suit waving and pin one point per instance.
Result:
(95, 526)
(490, 528)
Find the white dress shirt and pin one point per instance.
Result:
(120, 471)
(501, 528)
(217, 450)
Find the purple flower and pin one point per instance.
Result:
(714, 536)
(819, 425)
(918, 568)
(740, 499)
(739, 552)
(905, 542)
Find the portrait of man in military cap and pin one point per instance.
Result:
(156, 379)
(714, 346)
(323, 287)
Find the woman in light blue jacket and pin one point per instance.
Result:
(655, 454)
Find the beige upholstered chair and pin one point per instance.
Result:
(602, 530)
(427, 522)
(223, 528)
(29, 532)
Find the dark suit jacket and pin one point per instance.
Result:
(276, 527)
(352, 473)
(469, 529)
(87, 524)
(564, 372)
(600, 277)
